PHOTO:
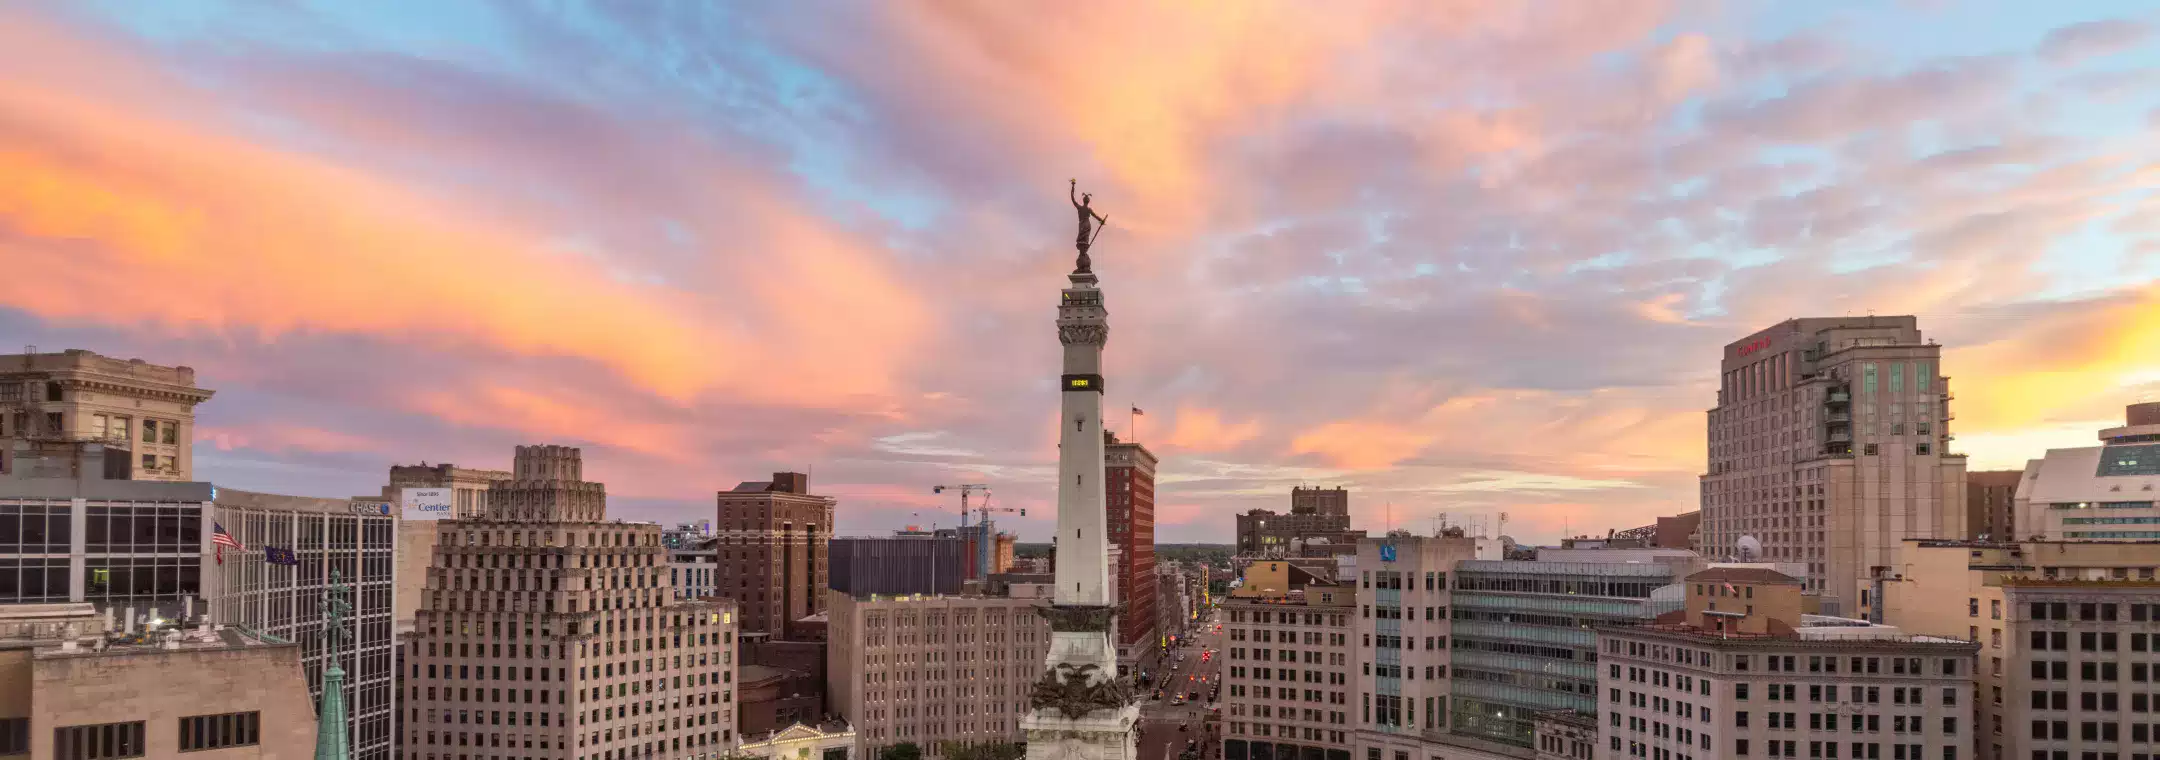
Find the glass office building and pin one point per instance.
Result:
(1523, 639)
(353, 538)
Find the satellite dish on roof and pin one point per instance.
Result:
(1750, 548)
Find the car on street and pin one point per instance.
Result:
(1178, 700)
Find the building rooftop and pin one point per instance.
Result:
(1744, 575)
(81, 364)
(2121, 583)
(76, 629)
(1818, 635)
(237, 499)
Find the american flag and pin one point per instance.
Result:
(1136, 410)
(222, 539)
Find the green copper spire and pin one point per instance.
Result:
(331, 742)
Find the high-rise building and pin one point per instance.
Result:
(1828, 445)
(931, 669)
(1129, 493)
(912, 563)
(1318, 525)
(68, 533)
(277, 583)
(1284, 621)
(144, 414)
(1097, 717)
(1744, 673)
(2062, 628)
(2109, 492)
(773, 559)
(1990, 504)
(550, 632)
(73, 690)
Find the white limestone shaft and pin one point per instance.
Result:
(1084, 648)
(1083, 541)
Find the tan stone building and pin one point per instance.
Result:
(69, 690)
(468, 486)
(1283, 614)
(772, 551)
(2080, 661)
(416, 538)
(931, 669)
(549, 632)
(1830, 444)
(142, 410)
(1743, 674)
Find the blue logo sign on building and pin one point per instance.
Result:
(1387, 552)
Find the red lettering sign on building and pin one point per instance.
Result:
(1755, 345)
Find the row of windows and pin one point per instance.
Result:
(2090, 641)
(2091, 731)
(2094, 701)
(200, 732)
(98, 742)
(1902, 724)
(2104, 612)
(2043, 670)
(1829, 750)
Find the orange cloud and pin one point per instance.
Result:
(1204, 430)
(135, 219)
(501, 407)
(2077, 365)
(1361, 445)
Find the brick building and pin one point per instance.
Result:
(773, 558)
(1129, 493)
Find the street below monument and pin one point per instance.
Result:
(1166, 726)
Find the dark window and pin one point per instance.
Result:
(99, 742)
(200, 732)
(14, 736)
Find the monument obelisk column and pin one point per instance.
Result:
(1080, 710)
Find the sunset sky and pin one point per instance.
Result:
(1465, 256)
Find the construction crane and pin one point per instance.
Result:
(985, 545)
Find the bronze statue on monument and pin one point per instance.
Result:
(1087, 214)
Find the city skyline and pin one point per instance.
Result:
(385, 237)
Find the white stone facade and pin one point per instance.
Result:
(932, 669)
(548, 633)
(1686, 695)
(1082, 572)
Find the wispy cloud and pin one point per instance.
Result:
(1472, 257)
